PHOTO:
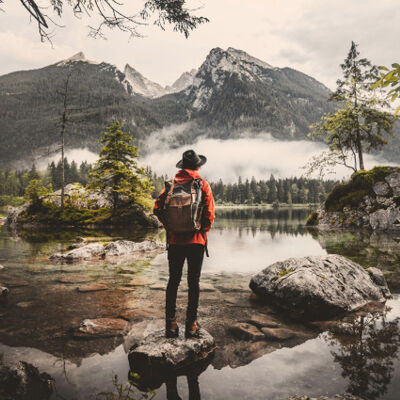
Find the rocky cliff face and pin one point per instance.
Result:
(371, 199)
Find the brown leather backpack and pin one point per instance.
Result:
(183, 206)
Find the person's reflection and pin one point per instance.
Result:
(366, 349)
(193, 386)
(153, 379)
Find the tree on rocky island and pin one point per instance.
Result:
(112, 14)
(117, 171)
(359, 124)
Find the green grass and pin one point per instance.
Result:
(48, 213)
(284, 272)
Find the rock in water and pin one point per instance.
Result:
(156, 354)
(24, 381)
(101, 327)
(345, 396)
(117, 248)
(320, 287)
(126, 247)
(87, 252)
(3, 292)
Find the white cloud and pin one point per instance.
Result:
(77, 155)
(259, 157)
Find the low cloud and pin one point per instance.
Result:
(77, 155)
(246, 157)
(226, 159)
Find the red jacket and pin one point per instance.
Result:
(182, 176)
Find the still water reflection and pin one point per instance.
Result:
(360, 355)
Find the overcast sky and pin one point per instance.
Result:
(312, 36)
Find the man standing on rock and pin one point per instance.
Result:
(185, 207)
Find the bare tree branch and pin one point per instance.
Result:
(113, 16)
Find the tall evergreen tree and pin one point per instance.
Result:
(117, 170)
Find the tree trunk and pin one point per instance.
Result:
(360, 151)
(115, 203)
(62, 167)
(64, 119)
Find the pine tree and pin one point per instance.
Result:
(33, 173)
(117, 171)
(360, 122)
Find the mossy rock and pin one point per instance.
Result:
(313, 219)
(351, 193)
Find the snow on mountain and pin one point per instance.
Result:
(232, 61)
(78, 57)
(141, 85)
(184, 81)
(221, 64)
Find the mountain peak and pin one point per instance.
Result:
(184, 81)
(234, 61)
(243, 56)
(140, 84)
(78, 57)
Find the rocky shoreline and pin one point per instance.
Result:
(370, 200)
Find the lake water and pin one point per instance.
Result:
(38, 321)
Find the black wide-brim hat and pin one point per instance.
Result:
(191, 160)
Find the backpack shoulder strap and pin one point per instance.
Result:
(171, 188)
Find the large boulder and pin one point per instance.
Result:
(155, 354)
(319, 287)
(81, 197)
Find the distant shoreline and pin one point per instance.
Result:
(267, 206)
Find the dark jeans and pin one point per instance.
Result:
(177, 253)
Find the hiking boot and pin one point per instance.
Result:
(171, 328)
(192, 330)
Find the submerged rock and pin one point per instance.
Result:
(24, 381)
(156, 354)
(319, 287)
(246, 331)
(278, 334)
(95, 287)
(75, 278)
(101, 327)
